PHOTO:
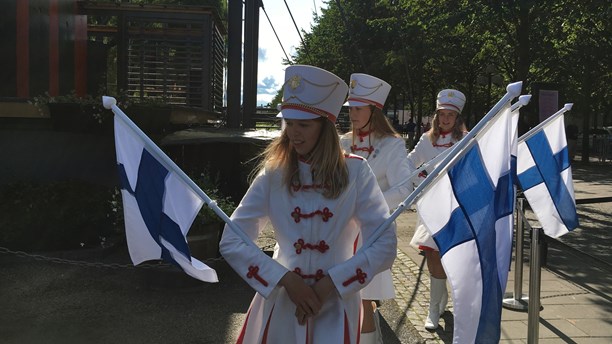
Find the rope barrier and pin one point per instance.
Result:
(150, 265)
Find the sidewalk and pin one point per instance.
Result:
(576, 288)
(95, 296)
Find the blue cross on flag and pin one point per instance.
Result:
(545, 175)
(158, 206)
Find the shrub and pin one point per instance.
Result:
(54, 216)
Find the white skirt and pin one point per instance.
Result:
(422, 237)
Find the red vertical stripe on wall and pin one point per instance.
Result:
(80, 53)
(22, 49)
(53, 48)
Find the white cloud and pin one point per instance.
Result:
(270, 70)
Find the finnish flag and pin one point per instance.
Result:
(469, 210)
(545, 175)
(158, 206)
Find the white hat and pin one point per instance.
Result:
(367, 90)
(450, 100)
(311, 92)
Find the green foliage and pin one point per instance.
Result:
(420, 47)
(54, 216)
(210, 185)
(92, 103)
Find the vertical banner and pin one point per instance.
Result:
(548, 103)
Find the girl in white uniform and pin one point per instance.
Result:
(447, 129)
(317, 200)
(373, 138)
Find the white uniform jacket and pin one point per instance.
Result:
(388, 162)
(315, 238)
(423, 152)
(387, 158)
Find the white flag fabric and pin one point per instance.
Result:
(545, 175)
(158, 207)
(469, 210)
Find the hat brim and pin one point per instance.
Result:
(296, 114)
(448, 107)
(355, 103)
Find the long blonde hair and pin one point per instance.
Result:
(457, 132)
(379, 124)
(327, 162)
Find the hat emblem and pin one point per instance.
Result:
(353, 83)
(451, 94)
(295, 82)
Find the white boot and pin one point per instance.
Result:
(368, 338)
(437, 288)
(444, 300)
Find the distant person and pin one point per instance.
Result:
(447, 129)
(373, 138)
(571, 135)
(317, 200)
(411, 131)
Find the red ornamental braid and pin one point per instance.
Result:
(254, 273)
(446, 145)
(362, 134)
(297, 214)
(317, 276)
(368, 150)
(360, 277)
(301, 245)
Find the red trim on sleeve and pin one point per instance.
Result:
(360, 277)
(254, 273)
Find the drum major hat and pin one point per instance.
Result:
(365, 90)
(450, 99)
(311, 92)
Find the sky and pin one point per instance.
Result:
(270, 70)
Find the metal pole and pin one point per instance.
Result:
(234, 62)
(518, 302)
(251, 49)
(533, 318)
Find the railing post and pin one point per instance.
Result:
(517, 301)
(533, 318)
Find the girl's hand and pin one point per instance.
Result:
(323, 288)
(306, 301)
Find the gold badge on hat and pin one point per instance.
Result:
(451, 94)
(353, 83)
(295, 82)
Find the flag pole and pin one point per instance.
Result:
(513, 90)
(111, 103)
(567, 107)
(518, 301)
(522, 101)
